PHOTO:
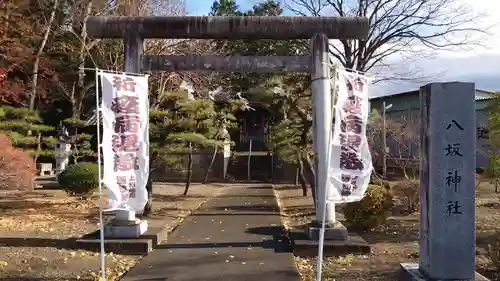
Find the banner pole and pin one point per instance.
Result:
(319, 267)
(99, 172)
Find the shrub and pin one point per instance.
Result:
(493, 170)
(79, 180)
(17, 168)
(410, 189)
(372, 210)
(494, 253)
(384, 183)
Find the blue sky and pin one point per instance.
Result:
(479, 65)
(202, 7)
(198, 7)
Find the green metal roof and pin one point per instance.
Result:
(411, 100)
(480, 95)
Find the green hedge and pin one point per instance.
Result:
(79, 180)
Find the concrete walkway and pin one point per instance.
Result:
(236, 236)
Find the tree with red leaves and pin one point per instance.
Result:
(20, 31)
(17, 170)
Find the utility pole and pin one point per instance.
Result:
(384, 169)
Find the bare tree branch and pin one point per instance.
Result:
(411, 29)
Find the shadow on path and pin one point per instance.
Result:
(37, 242)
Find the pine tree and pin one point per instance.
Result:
(181, 127)
(224, 122)
(80, 139)
(27, 132)
(291, 134)
(242, 82)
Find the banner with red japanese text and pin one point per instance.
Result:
(125, 139)
(350, 162)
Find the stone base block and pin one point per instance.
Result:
(410, 272)
(333, 231)
(125, 215)
(303, 246)
(125, 229)
(130, 246)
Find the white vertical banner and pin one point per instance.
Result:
(125, 139)
(350, 162)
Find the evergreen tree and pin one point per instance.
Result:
(80, 139)
(242, 82)
(181, 127)
(27, 132)
(225, 121)
(291, 137)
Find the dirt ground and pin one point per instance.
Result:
(35, 230)
(394, 242)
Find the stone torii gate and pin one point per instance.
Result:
(133, 30)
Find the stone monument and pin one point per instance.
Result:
(447, 188)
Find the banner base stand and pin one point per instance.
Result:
(304, 246)
(333, 231)
(125, 228)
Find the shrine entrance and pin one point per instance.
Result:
(251, 159)
(134, 30)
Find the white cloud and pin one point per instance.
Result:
(477, 64)
(489, 21)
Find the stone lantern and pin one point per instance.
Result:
(63, 149)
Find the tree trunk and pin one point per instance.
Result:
(74, 149)
(149, 205)
(75, 112)
(301, 177)
(6, 24)
(80, 89)
(149, 186)
(190, 169)
(311, 176)
(496, 185)
(38, 147)
(297, 175)
(36, 64)
(207, 172)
